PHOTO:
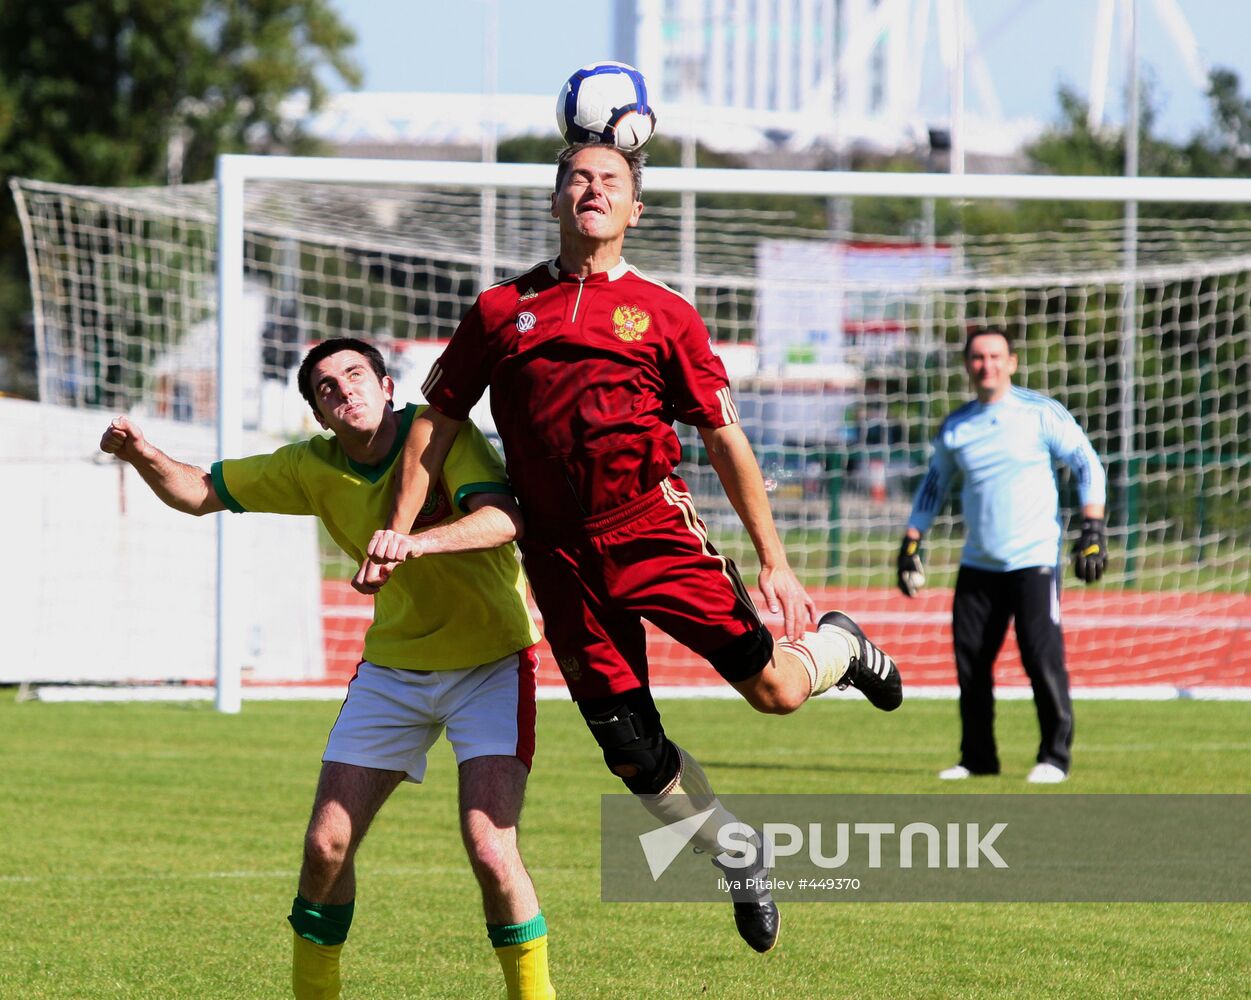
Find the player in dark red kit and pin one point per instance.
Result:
(589, 363)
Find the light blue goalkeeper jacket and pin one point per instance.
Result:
(1007, 452)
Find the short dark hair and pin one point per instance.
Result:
(334, 346)
(634, 160)
(978, 331)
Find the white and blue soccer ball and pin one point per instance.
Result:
(606, 102)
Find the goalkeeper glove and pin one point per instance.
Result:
(910, 571)
(1090, 553)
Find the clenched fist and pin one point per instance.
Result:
(123, 439)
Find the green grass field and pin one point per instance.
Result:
(152, 850)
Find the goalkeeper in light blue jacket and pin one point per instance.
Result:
(1006, 444)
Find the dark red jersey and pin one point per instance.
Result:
(587, 377)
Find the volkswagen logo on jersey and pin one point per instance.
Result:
(525, 322)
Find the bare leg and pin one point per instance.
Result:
(780, 688)
(492, 790)
(348, 798)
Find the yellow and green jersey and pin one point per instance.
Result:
(439, 612)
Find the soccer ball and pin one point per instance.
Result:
(606, 102)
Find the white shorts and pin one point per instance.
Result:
(390, 718)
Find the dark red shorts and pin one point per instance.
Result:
(596, 581)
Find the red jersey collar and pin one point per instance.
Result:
(612, 274)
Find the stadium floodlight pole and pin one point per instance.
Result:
(691, 32)
(1129, 293)
(487, 206)
(956, 153)
(230, 323)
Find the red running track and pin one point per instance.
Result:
(1114, 638)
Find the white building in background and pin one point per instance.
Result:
(874, 75)
(769, 56)
(835, 73)
(780, 81)
(784, 81)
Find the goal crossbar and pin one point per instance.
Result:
(237, 169)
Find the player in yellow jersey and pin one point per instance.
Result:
(449, 649)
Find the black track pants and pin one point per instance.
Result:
(984, 604)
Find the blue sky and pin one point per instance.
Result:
(1031, 47)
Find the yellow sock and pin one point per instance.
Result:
(522, 951)
(315, 970)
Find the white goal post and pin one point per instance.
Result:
(843, 347)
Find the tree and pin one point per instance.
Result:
(108, 92)
(1224, 148)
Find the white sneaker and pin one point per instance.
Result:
(1046, 774)
(957, 773)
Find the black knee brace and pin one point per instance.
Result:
(627, 728)
(744, 657)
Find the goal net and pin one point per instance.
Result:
(844, 348)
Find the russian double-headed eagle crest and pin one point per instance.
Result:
(570, 667)
(629, 323)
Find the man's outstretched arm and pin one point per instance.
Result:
(732, 459)
(187, 488)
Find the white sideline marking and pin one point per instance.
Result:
(556, 692)
(1089, 619)
(361, 611)
(175, 692)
